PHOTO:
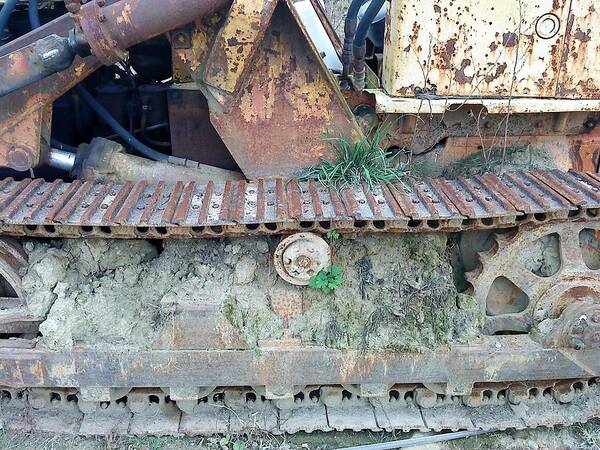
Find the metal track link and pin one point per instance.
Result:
(276, 206)
(491, 406)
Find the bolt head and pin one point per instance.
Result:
(19, 159)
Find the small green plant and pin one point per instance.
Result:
(332, 235)
(327, 279)
(366, 161)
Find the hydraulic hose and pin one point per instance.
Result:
(34, 17)
(5, 14)
(117, 128)
(34, 21)
(360, 43)
(349, 31)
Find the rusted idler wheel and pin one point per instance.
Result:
(301, 256)
(14, 316)
(542, 279)
(12, 258)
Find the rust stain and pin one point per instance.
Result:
(125, 16)
(472, 49)
(582, 36)
(510, 39)
(460, 76)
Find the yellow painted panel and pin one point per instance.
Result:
(473, 47)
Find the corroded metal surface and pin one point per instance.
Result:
(289, 101)
(493, 359)
(15, 317)
(111, 27)
(238, 39)
(275, 206)
(580, 63)
(513, 298)
(490, 49)
(202, 410)
(26, 115)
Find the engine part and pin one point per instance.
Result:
(108, 30)
(37, 61)
(104, 160)
(300, 257)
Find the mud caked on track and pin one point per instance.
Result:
(397, 292)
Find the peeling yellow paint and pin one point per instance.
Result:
(79, 69)
(473, 47)
(237, 42)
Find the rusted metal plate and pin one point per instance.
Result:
(236, 43)
(25, 115)
(540, 197)
(474, 199)
(515, 359)
(275, 206)
(192, 135)
(581, 63)
(290, 101)
(474, 47)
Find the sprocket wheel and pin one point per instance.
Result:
(540, 273)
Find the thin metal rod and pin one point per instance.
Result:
(421, 440)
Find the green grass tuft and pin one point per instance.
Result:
(366, 161)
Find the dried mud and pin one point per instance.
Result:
(397, 292)
(494, 160)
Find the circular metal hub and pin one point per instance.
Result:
(301, 256)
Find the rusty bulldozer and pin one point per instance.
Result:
(219, 215)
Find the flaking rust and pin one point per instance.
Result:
(288, 100)
(475, 48)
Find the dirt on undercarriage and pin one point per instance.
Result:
(397, 292)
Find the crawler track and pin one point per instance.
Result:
(291, 387)
(69, 210)
(491, 406)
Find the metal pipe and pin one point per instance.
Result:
(104, 160)
(61, 159)
(420, 440)
(5, 14)
(110, 29)
(34, 62)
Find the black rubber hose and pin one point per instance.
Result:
(5, 14)
(98, 108)
(360, 43)
(117, 128)
(349, 31)
(34, 17)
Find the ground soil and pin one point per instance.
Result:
(578, 437)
